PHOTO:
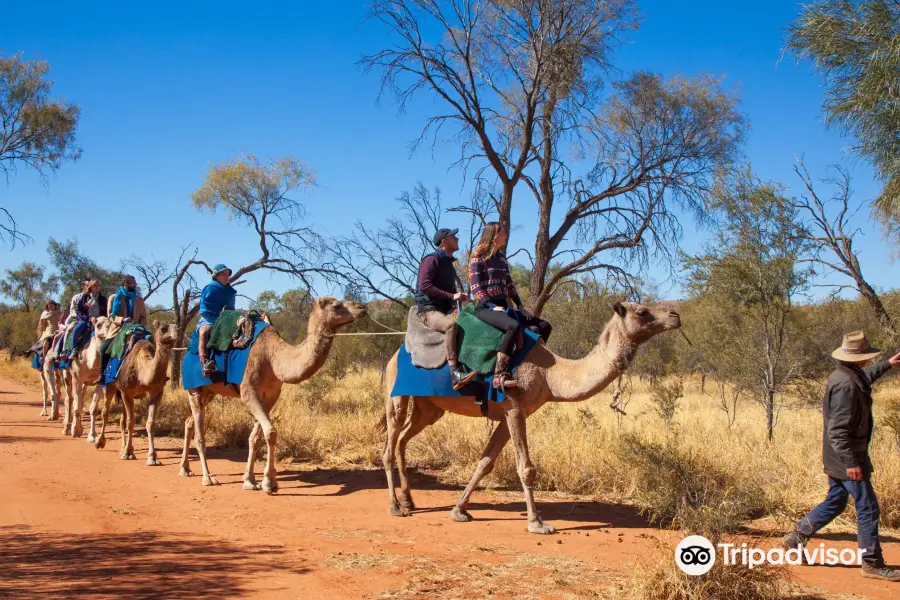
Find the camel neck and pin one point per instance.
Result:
(293, 364)
(159, 362)
(577, 380)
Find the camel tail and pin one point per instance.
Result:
(381, 426)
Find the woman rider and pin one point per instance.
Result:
(47, 325)
(494, 290)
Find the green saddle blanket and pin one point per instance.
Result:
(226, 329)
(478, 341)
(116, 348)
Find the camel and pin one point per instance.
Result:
(272, 362)
(542, 377)
(83, 372)
(143, 372)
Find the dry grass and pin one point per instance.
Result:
(577, 448)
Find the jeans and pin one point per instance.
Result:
(867, 515)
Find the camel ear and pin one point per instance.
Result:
(619, 309)
(155, 323)
(323, 302)
(94, 321)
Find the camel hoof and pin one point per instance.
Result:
(269, 487)
(210, 481)
(541, 528)
(185, 472)
(460, 515)
(128, 456)
(91, 438)
(252, 486)
(152, 461)
(407, 503)
(100, 443)
(77, 433)
(44, 413)
(398, 511)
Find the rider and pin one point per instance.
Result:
(47, 325)
(88, 305)
(436, 295)
(494, 290)
(217, 296)
(126, 306)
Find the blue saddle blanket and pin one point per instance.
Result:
(230, 365)
(416, 381)
(64, 363)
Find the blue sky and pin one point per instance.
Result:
(167, 92)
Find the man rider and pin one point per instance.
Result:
(125, 306)
(437, 295)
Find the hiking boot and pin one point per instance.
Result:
(502, 380)
(461, 377)
(883, 572)
(209, 367)
(793, 540)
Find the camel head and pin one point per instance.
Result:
(101, 327)
(639, 323)
(165, 333)
(334, 314)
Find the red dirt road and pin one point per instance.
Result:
(75, 521)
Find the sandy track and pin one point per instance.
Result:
(75, 521)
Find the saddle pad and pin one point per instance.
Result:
(425, 345)
(230, 365)
(478, 341)
(415, 381)
(116, 349)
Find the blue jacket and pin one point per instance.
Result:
(214, 299)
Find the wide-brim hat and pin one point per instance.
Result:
(218, 269)
(855, 348)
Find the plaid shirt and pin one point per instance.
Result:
(490, 278)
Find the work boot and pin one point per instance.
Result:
(460, 376)
(884, 572)
(209, 367)
(793, 540)
(502, 379)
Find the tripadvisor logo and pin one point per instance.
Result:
(696, 555)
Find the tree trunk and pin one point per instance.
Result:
(770, 414)
(875, 302)
(177, 356)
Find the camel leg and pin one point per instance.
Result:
(128, 428)
(254, 403)
(77, 425)
(67, 418)
(198, 410)
(424, 414)
(107, 401)
(152, 405)
(395, 409)
(95, 400)
(515, 420)
(253, 449)
(53, 381)
(485, 466)
(185, 461)
(45, 392)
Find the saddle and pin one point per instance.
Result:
(233, 330)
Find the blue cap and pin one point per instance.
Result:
(218, 269)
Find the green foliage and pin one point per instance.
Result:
(18, 329)
(746, 284)
(27, 287)
(74, 267)
(35, 130)
(665, 397)
(854, 45)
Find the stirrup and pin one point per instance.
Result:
(503, 381)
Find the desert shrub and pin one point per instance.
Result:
(665, 397)
(684, 489)
(661, 579)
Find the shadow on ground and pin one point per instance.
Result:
(143, 564)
